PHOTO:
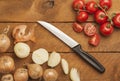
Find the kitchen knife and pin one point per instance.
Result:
(74, 45)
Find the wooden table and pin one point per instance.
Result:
(61, 14)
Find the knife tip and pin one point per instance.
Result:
(41, 22)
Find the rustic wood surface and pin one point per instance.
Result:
(61, 14)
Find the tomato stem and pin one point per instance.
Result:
(108, 26)
(104, 12)
(82, 11)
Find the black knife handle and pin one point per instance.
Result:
(89, 58)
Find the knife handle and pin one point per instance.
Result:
(89, 58)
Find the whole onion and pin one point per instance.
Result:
(50, 75)
(4, 41)
(21, 74)
(6, 64)
(35, 71)
(7, 77)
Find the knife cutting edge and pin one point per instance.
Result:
(76, 47)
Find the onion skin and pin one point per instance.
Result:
(7, 77)
(4, 42)
(20, 35)
(50, 75)
(6, 64)
(35, 71)
(21, 74)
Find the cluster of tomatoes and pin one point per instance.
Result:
(99, 12)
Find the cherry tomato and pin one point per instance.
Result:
(78, 4)
(77, 27)
(91, 7)
(100, 17)
(95, 40)
(106, 4)
(89, 29)
(82, 16)
(116, 20)
(106, 29)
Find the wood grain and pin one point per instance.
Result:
(45, 39)
(34, 10)
(87, 73)
(61, 14)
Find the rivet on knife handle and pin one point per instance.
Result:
(90, 59)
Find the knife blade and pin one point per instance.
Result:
(75, 46)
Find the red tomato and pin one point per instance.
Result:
(90, 29)
(95, 40)
(91, 7)
(78, 4)
(82, 16)
(106, 4)
(100, 17)
(106, 29)
(116, 20)
(77, 27)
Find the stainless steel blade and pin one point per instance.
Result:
(58, 33)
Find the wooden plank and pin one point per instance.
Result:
(33, 10)
(45, 39)
(87, 73)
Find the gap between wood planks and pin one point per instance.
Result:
(85, 51)
(70, 51)
(43, 20)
